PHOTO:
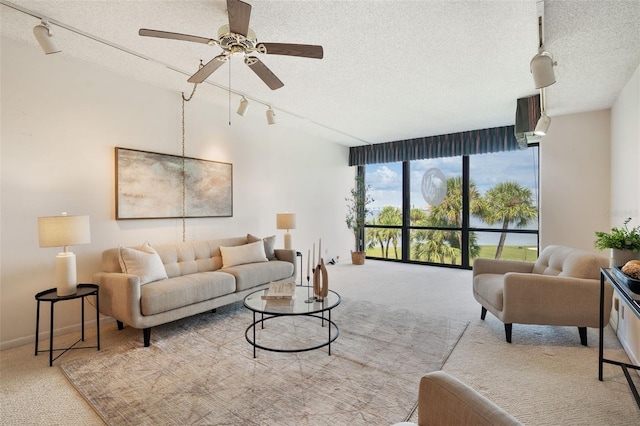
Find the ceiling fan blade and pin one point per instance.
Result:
(208, 69)
(239, 15)
(263, 72)
(175, 36)
(304, 50)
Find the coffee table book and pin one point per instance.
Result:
(280, 291)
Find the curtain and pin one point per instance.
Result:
(451, 145)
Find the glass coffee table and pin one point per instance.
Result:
(264, 310)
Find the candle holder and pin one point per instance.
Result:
(310, 299)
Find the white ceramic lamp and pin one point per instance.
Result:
(286, 221)
(64, 231)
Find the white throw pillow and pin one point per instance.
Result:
(238, 255)
(144, 262)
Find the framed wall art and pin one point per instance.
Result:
(150, 185)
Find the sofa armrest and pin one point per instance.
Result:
(119, 296)
(288, 256)
(498, 266)
(445, 400)
(553, 300)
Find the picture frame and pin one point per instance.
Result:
(151, 185)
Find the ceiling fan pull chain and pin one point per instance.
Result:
(184, 181)
(229, 91)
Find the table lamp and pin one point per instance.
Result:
(64, 231)
(286, 221)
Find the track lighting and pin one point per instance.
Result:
(271, 116)
(44, 35)
(542, 63)
(244, 106)
(543, 125)
(542, 69)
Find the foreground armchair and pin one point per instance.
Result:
(444, 400)
(561, 288)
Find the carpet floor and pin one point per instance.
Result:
(201, 370)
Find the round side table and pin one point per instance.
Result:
(51, 296)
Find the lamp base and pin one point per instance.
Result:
(66, 280)
(287, 241)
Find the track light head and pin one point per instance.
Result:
(542, 69)
(271, 116)
(44, 35)
(243, 107)
(543, 125)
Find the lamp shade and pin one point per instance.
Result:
(542, 70)
(286, 221)
(44, 36)
(61, 231)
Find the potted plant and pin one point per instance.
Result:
(623, 242)
(357, 211)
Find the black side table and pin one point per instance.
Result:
(51, 296)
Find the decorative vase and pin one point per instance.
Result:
(357, 257)
(620, 257)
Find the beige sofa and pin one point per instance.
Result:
(561, 288)
(146, 286)
(444, 400)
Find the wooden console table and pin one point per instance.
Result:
(628, 296)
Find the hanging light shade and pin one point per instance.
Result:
(243, 107)
(44, 35)
(271, 116)
(542, 70)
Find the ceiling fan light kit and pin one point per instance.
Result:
(236, 38)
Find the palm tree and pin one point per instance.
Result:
(508, 202)
(449, 212)
(389, 215)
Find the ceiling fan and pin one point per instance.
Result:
(238, 38)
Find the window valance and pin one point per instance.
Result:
(471, 142)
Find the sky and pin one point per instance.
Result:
(486, 171)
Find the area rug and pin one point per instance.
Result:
(201, 370)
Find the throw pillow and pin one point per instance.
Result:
(238, 255)
(269, 245)
(144, 262)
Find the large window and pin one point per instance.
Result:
(451, 210)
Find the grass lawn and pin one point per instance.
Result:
(527, 253)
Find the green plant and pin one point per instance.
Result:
(621, 238)
(357, 210)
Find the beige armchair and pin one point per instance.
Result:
(444, 400)
(561, 288)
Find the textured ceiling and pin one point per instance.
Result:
(392, 70)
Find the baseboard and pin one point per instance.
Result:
(57, 332)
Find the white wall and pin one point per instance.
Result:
(575, 180)
(60, 122)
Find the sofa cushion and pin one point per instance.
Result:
(253, 274)
(173, 293)
(269, 245)
(239, 255)
(143, 262)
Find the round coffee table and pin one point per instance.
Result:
(299, 306)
